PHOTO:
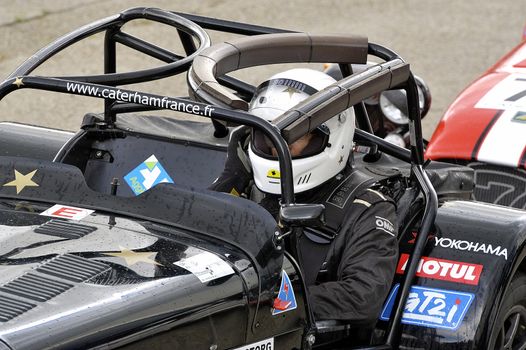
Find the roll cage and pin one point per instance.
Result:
(348, 92)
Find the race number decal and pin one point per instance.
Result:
(148, 174)
(510, 93)
(429, 307)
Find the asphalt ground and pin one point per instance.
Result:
(448, 43)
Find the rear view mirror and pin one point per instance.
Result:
(393, 103)
(311, 215)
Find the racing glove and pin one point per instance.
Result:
(237, 174)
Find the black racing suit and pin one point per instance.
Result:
(362, 258)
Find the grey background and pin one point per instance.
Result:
(448, 43)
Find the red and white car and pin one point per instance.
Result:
(485, 128)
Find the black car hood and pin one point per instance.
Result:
(66, 282)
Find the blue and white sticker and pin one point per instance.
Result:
(148, 174)
(286, 300)
(429, 307)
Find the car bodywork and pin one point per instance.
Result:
(484, 127)
(181, 266)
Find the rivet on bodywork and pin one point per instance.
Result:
(310, 339)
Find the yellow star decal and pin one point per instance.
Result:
(18, 82)
(22, 181)
(24, 206)
(291, 91)
(133, 258)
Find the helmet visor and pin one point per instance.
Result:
(306, 146)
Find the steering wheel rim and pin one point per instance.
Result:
(113, 24)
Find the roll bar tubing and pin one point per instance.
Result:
(190, 27)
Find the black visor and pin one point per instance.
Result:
(263, 147)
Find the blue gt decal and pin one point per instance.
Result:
(286, 300)
(429, 307)
(148, 174)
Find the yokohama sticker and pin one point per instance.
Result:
(469, 246)
(445, 270)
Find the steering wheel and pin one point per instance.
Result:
(188, 32)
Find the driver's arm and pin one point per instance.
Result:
(236, 174)
(368, 257)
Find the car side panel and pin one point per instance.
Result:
(466, 266)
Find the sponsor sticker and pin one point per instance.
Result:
(267, 344)
(477, 247)
(460, 244)
(286, 300)
(445, 270)
(67, 212)
(145, 176)
(206, 266)
(430, 307)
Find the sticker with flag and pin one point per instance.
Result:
(148, 174)
(286, 300)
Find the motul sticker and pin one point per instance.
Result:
(286, 300)
(67, 212)
(445, 270)
(430, 307)
(267, 344)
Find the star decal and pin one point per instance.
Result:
(22, 181)
(24, 206)
(133, 258)
(291, 91)
(18, 82)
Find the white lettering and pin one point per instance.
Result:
(445, 268)
(431, 267)
(458, 271)
(469, 273)
(471, 246)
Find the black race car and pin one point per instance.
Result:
(110, 238)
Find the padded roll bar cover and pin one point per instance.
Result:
(342, 97)
(271, 49)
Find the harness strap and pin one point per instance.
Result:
(313, 246)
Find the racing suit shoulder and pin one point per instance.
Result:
(361, 262)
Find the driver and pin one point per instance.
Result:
(348, 274)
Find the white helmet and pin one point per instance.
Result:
(328, 146)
